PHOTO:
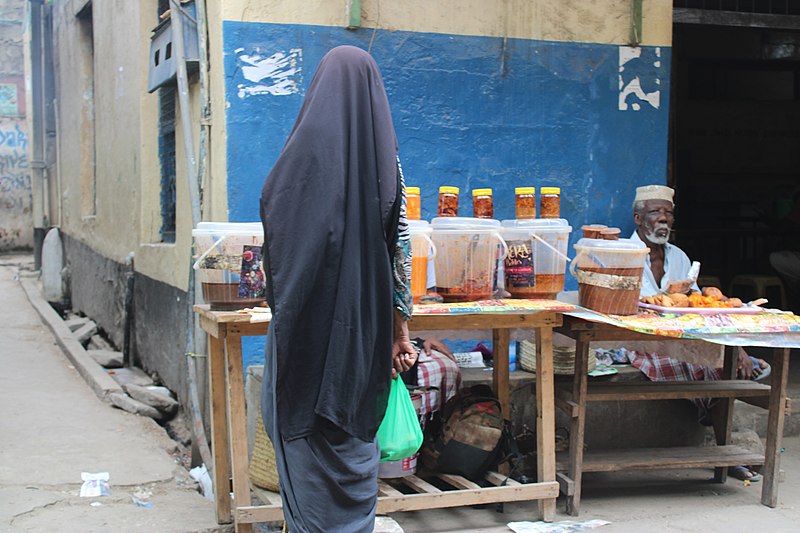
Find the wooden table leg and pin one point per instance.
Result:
(500, 373)
(545, 419)
(238, 430)
(722, 413)
(777, 403)
(219, 428)
(578, 425)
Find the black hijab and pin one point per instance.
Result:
(330, 210)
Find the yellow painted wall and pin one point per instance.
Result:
(124, 215)
(593, 21)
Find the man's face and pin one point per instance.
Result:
(654, 221)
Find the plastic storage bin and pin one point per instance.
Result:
(537, 257)
(609, 274)
(422, 251)
(467, 253)
(228, 262)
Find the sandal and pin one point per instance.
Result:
(743, 473)
(764, 371)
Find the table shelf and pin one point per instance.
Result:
(672, 390)
(664, 458)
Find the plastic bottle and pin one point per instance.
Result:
(550, 206)
(525, 202)
(448, 201)
(413, 203)
(482, 206)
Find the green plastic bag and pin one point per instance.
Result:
(399, 435)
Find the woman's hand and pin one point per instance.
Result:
(404, 355)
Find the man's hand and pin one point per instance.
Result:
(439, 346)
(744, 367)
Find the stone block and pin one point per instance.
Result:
(107, 358)
(153, 398)
(85, 332)
(126, 403)
(97, 342)
(123, 376)
(76, 322)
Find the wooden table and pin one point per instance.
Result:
(225, 330)
(573, 401)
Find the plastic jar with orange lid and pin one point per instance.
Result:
(482, 205)
(525, 202)
(413, 203)
(550, 206)
(448, 201)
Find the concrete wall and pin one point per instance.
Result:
(16, 219)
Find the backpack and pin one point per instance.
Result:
(469, 436)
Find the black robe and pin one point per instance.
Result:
(330, 209)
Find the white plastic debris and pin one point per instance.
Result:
(94, 484)
(200, 474)
(565, 526)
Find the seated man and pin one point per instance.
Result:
(436, 368)
(666, 271)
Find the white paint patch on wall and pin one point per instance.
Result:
(634, 72)
(279, 74)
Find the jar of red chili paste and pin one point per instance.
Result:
(525, 202)
(482, 206)
(550, 202)
(448, 201)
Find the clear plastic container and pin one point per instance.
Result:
(467, 254)
(228, 261)
(609, 274)
(422, 251)
(537, 257)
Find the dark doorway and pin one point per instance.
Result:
(735, 133)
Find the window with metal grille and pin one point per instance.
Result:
(166, 153)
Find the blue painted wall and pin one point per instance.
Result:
(469, 111)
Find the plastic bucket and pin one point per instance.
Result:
(228, 261)
(467, 254)
(609, 274)
(537, 257)
(422, 251)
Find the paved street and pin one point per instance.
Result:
(53, 427)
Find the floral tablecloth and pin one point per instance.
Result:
(771, 329)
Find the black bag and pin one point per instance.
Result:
(470, 437)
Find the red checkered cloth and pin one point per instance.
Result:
(662, 368)
(437, 370)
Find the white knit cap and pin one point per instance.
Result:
(654, 192)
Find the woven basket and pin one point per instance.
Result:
(263, 469)
(563, 358)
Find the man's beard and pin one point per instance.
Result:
(658, 237)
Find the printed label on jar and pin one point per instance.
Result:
(251, 283)
(519, 265)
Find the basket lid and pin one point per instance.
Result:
(419, 226)
(621, 245)
(227, 228)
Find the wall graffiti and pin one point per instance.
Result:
(15, 187)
